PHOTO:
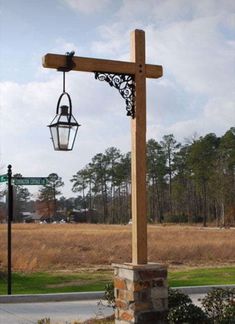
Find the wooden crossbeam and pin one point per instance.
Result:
(86, 64)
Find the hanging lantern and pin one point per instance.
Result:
(64, 126)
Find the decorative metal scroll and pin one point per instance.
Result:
(125, 85)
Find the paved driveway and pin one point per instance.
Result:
(58, 312)
(81, 306)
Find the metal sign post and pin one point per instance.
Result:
(10, 218)
(29, 181)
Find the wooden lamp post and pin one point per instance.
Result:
(138, 70)
(130, 79)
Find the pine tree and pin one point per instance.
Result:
(50, 191)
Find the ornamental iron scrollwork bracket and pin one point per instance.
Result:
(125, 84)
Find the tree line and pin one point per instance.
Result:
(190, 182)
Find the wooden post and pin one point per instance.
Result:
(138, 152)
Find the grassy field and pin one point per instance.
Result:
(67, 258)
(46, 282)
(72, 247)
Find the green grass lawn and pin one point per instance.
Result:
(202, 277)
(40, 283)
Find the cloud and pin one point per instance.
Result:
(220, 112)
(216, 117)
(195, 54)
(164, 12)
(113, 42)
(193, 41)
(186, 37)
(87, 6)
(63, 46)
(23, 106)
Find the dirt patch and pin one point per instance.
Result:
(71, 283)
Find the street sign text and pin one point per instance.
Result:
(30, 181)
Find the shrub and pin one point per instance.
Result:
(182, 310)
(187, 314)
(109, 294)
(219, 305)
(176, 298)
(44, 321)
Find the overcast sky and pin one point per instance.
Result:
(193, 40)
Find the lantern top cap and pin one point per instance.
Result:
(64, 110)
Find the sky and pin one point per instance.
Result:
(194, 41)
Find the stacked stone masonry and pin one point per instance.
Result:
(141, 293)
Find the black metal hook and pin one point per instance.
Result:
(69, 62)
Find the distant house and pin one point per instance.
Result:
(31, 217)
(84, 216)
(25, 214)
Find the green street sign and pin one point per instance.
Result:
(30, 181)
(3, 178)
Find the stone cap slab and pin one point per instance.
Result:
(137, 272)
(148, 266)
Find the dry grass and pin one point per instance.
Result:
(75, 246)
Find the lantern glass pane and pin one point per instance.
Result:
(64, 131)
(72, 135)
(54, 137)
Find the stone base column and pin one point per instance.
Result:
(141, 293)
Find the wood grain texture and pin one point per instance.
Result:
(85, 64)
(138, 153)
